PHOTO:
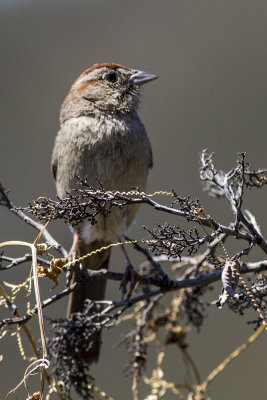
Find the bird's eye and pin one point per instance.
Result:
(112, 77)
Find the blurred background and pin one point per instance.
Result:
(211, 58)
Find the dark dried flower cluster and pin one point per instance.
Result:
(68, 339)
(194, 307)
(190, 207)
(85, 205)
(172, 240)
(258, 287)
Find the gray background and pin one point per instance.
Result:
(211, 58)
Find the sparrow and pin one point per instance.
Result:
(101, 139)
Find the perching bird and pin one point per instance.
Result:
(101, 136)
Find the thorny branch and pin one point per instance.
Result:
(183, 261)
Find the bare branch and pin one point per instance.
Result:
(164, 285)
(5, 201)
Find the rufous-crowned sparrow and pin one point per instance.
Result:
(101, 136)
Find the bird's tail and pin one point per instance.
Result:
(94, 290)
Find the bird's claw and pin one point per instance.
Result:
(128, 276)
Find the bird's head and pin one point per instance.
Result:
(105, 88)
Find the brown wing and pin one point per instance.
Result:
(54, 169)
(151, 159)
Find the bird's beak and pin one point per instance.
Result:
(140, 77)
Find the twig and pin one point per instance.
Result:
(146, 253)
(14, 262)
(203, 387)
(5, 201)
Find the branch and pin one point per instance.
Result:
(5, 201)
(14, 262)
(88, 203)
(164, 286)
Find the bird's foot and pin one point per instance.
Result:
(128, 276)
